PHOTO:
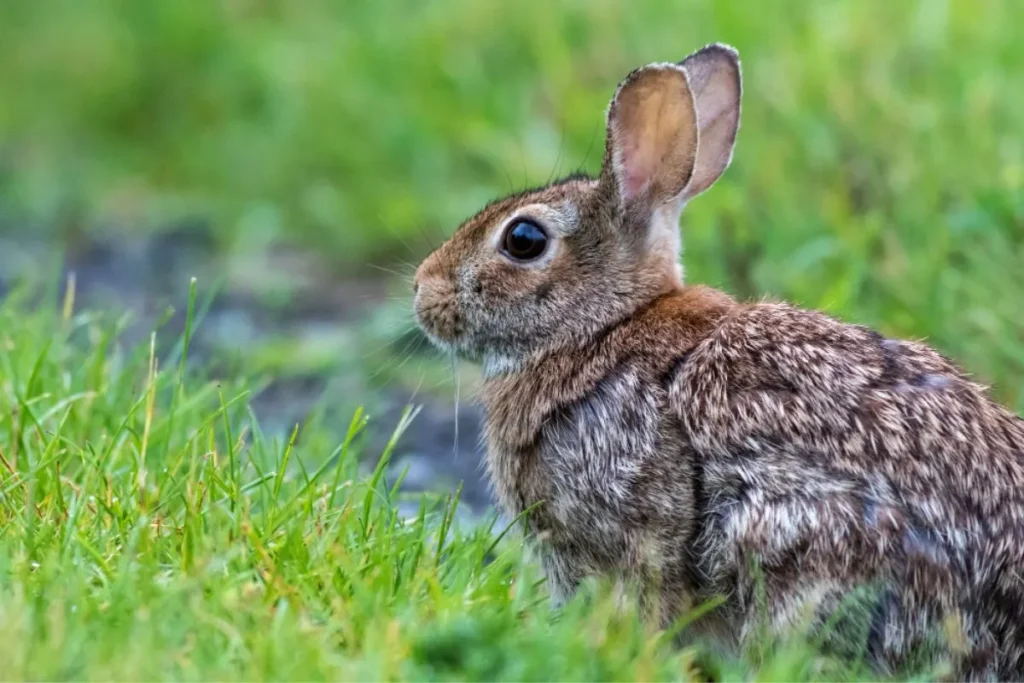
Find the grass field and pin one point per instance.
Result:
(149, 530)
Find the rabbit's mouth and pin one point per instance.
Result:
(445, 327)
(438, 316)
(441, 324)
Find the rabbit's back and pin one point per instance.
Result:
(836, 457)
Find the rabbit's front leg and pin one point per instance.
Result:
(562, 574)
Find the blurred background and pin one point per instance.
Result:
(300, 156)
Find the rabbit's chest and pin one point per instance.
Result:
(591, 464)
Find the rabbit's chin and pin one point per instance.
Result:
(498, 364)
(492, 363)
(447, 347)
(458, 347)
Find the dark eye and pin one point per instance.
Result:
(525, 241)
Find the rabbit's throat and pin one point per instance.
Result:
(519, 401)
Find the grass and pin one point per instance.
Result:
(149, 530)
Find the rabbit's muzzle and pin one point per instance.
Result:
(436, 309)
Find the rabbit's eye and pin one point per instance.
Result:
(525, 241)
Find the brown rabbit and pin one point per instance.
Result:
(704, 447)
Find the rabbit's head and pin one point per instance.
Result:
(553, 266)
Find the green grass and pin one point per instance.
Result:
(149, 530)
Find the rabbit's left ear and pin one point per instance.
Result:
(716, 83)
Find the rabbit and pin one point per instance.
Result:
(669, 436)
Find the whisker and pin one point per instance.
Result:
(426, 238)
(387, 365)
(586, 157)
(443, 381)
(419, 384)
(417, 343)
(508, 178)
(404, 276)
(397, 234)
(374, 296)
(522, 160)
(428, 389)
(558, 157)
(456, 379)
(395, 329)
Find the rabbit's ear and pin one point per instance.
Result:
(652, 139)
(716, 83)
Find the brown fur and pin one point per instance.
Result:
(705, 447)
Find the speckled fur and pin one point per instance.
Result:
(704, 447)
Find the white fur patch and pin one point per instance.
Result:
(496, 364)
(664, 236)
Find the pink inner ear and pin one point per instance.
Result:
(633, 182)
(636, 169)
